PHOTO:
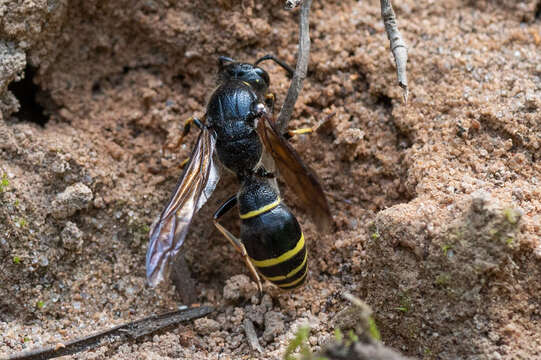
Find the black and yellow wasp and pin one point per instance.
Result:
(238, 131)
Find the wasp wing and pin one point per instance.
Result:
(192, 191)
(301, 178)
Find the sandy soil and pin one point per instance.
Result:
(437, 204)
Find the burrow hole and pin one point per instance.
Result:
(30, 97)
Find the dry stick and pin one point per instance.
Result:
(302, 66)
(251, 335)
(398, 45)
(290, 4)
(131, 330)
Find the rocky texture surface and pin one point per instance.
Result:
(437, 203)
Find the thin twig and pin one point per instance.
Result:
(251, 335)
(131, 330)
(290, 4)
(398, 45)
(301, 69)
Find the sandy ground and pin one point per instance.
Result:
(437, 204)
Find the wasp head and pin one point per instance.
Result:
(230, 69)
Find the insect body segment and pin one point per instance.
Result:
(232, 111)
(271, 234)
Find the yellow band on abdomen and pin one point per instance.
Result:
(261, 210)
(293, 283)
(291, 273)
(285, 256)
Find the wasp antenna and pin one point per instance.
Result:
(286, 67)
(224, 59)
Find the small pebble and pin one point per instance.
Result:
(72, 237)
(239, 286)
(73, 198)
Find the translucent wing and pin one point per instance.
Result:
(192, 191)
(301, 178)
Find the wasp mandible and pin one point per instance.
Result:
(237, 131)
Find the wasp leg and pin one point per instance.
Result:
(285, 66)
(291, 133)
(186, 130)
(237, 244)
(187, 126)
(269, 101)
(184, 162)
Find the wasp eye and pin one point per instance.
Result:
(263, 75)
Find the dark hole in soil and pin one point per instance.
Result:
(403, 141)
(384, 101)
(538, 10)
(27, 92)
(96, 88)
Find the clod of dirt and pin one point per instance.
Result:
(12, 63)
(237, 316)
(239, 287)
(74, 198)
(257, 312)
(72, 237)
(360, 351)
(206, 326)
(353, 318)
(352, 141)
(478, 253)
(274, 325)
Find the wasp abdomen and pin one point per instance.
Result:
(275, 244)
